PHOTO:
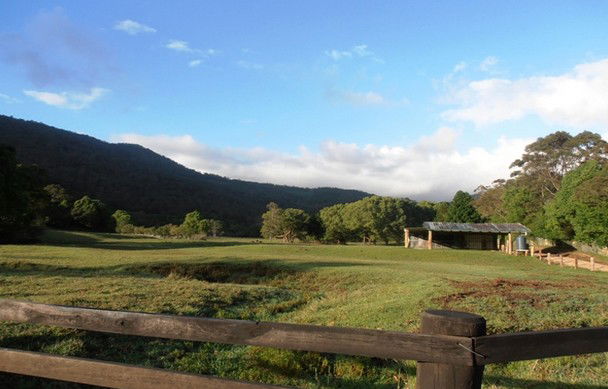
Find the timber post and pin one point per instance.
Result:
(430, 242)
(592, 259)
(510, 244)
(406, 237)
(440, 375)
(531, 249)
(561, 260)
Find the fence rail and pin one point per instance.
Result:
(453, 345)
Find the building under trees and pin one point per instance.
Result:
(479, 236)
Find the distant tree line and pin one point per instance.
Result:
(370, 220)
(193, 227)
(27, 206)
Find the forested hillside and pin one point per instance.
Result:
(154, 189)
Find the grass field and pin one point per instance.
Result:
(384, 287)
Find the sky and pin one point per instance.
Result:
(400, 98)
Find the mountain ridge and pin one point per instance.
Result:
(154, 188)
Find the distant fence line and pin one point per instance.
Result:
(588, 262)
(451, 350)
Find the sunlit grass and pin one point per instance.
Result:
(385, 287)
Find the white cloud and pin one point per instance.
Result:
(195, 62)
(337, 55)
(488, 63)
(369, 98)
(250, 65)
(459, 67)
(132, 27)
(576, 98)
(364, 98)
(431, 168)
(184, 47)
(362, 51)
(355, 51)
(8, 99)
(178, 45)
(69, 100)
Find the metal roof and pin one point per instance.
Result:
(501, 228)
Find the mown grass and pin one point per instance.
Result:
(385, 287)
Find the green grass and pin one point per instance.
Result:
(384, 287)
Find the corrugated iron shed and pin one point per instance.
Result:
(494, 228)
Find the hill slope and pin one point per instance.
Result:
(155, 189)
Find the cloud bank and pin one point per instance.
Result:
(430, 169)
(68, 100)
(577, 98)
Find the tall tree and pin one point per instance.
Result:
(546, 161)
(272, 221)
(489, 201)
(194, 224)
(579, 210)
(294, 224)
(92, 214)
(22, 199)
(441, 211)
(462, 210)
(59, 206)
(123, 221)
(215, 227)
(334, 224)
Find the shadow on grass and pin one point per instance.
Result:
(99, 240)
(227, 270)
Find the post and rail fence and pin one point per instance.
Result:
(452, 348)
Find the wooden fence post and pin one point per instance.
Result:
(576, 262)
(441, 375)
(561, 260)
(592, 264)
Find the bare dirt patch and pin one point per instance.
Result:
(530, 292)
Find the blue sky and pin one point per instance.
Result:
(414, 99)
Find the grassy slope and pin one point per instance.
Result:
(373, 287)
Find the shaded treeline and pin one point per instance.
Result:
(153, 189)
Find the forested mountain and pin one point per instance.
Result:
(153, 188)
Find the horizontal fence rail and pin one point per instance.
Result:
(445, 360)
(542, 344)
(110, 374)
(350, 341)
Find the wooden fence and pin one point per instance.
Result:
(577, 261)
(451, 350)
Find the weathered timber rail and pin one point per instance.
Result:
(451, 351)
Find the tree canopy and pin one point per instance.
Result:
(22, 200)
(287, 224)
(558, 189)
(373, 219)
(462, 210)
(92, 214)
